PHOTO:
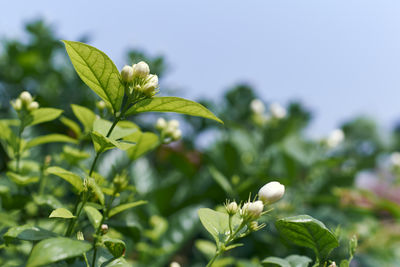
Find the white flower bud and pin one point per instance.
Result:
(277, 110)
(173, 124)
(33, 105)
(271, 192)
(26, 97)
(335, 138)
(254, 209)
(79, 236)
(17, 104)
(127, 74)
(395, 159)
(141, 69)
(257, 106)
(174, 264)
(104, 228)
(151, 84)
(177, 134)
(161, 124)
(333, 264)
(232, 208)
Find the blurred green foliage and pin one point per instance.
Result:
(210, 164)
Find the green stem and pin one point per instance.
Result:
(18, 156)
(210, 263)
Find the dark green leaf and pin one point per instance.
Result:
(123, 207)
(27, 232)
(115, 246)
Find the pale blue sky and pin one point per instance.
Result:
(340, 57)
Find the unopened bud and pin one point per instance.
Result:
(17, 104)
(161, 124)
(173, 124)
(257, 106)
(79, 236)
(333, 264)
(33, 105)
(231, 208)
(26, 97)
(177, 134)
(253, 226)
(277, 110)
(141, 69)
(104, 228)
(101, 104)
(271, 192)
(254, 209)
(174, 264)
(127, 74)
(335, 138)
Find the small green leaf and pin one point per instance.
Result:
(61, 213)
(305, 231)
(21, 179)
(102, 143)
(85, 116)
(27, 232)
(41, 115)
(94, 216)
(98, 71)
(51, 138)
(72, 178)
(72, 125)
(96, 190)
(103, 126)
(144, 142)
(115, 246)
(298, 261)
(277, 261)
(56, 249)
(172, 104)
(221, 180)
(123, 207)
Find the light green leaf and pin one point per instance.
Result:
(172, 104)
(144, 142)
(56, 249)
(21, 179)
(41, 115)
(61, 213)
(50, 138)
(48, 200)
(305, 231)
(277, 261)
(27, 232)
(102, 143)
(206, 247)
(72, 178)
(115, 246)
(98, 71)
(72, 125)
(298, 261)
(123, 207)
(217, 223)
(94, 216)
(119, 262)
(85, 116)
(103, 126)
(73, 154)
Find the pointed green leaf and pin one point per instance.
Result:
(85, 116)
(48, 200)
(123, 207)
(27, 232)
(277, 261)
(96, 190)
(50, 138)
(72, 125)
(298, 261)
(72, 178)
(61, 213)
(22, 179)
(102, 143)
(305, 231)
(172, 104)
(103, 126)
(94, 216)
(56, 249)
(41, 115)
(98, 71)
(115, 246)
(144, 142)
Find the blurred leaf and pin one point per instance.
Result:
(51, 138)
(144, 142)
(98, 71)
(277, 261)
(27, 232)
(22, 179)
(94, 216)
(41, 115)
(72, 125)
(61, 213)
(172, 104)
(72, 178)
(48, 200)
(120, 262)
(96, 190)
(298, 261)
(115, 246)
(85, 116)
(123, 207)
(103, 126)
(305, 231)
(206, 247)
(56, 249)
(221, 180)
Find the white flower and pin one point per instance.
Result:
(335, 138)
(257, 106)
(151, 84)
(254, 209)
(271, 192)
(161, 124)
(395, 158)
(26, 97)
(232, 208)
(277, 110)
(176, 135)
(33, 105)
(127, 74)
(141, 69)
(174, 264)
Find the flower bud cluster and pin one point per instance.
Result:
(276, 111)
(24, 103)
(139, 79)
(120, 182)
(169, 130)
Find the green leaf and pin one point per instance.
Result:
(51, 138)
(123, 207)
(48, 200)
(72, 178)
(217, 223)
(277, 261)
(172, 104)
(96, 190)
(27, 232)
(221, 180)
(56, 249)
(72, 154)
(144, 142)
(115, 246)
(298, 261)
(102, 143)
(97, 71)
(119, 262)
(94, 216)
(103, 126)
(206, 247)
(21, 179)
(41, 115)
(305, 231)
(61, 213)
(72, 125)
(85, 116)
